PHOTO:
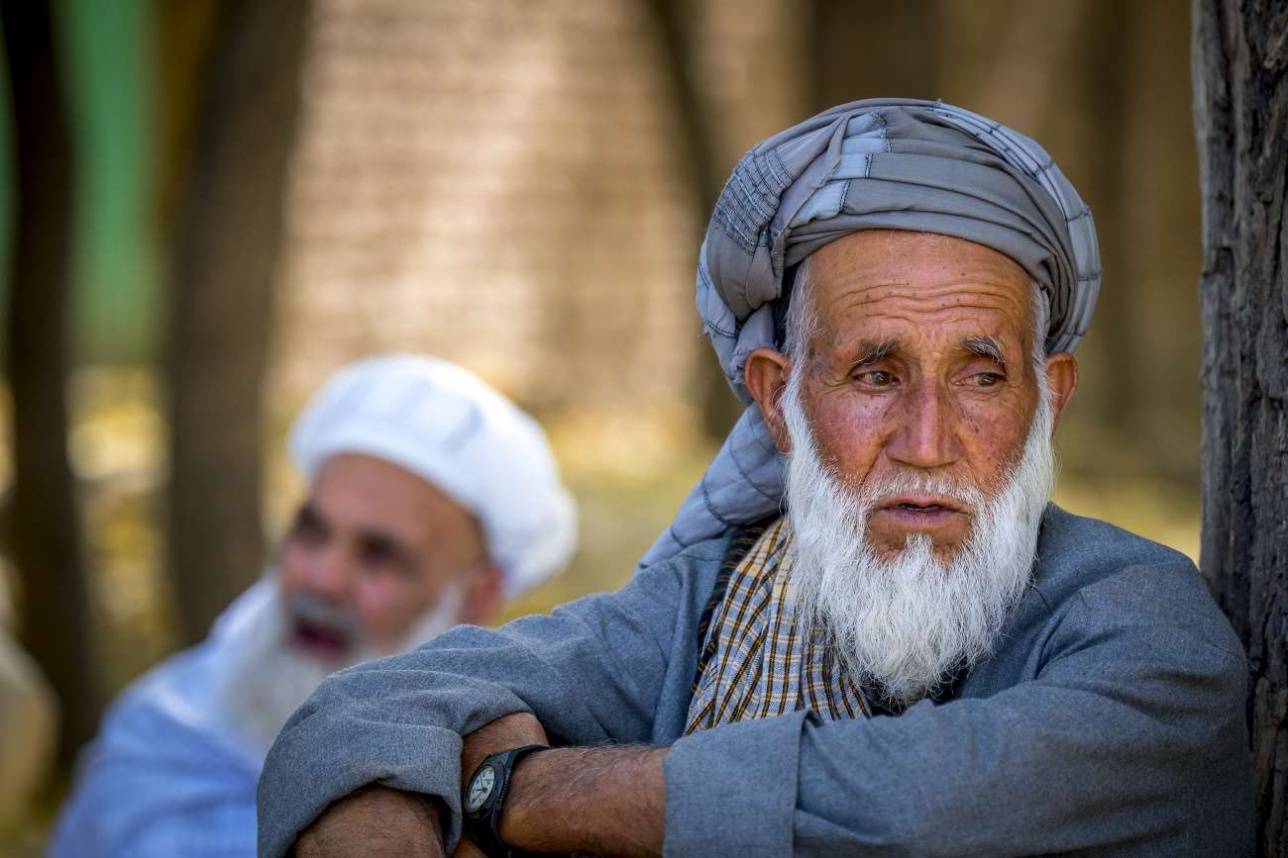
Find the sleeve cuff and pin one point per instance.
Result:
(301, 777)
(731, 790)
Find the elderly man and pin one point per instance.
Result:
(431, 498)
(868, 631)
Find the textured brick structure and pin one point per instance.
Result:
(499, 184)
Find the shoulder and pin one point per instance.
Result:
(165, 724)
(1094, 544)
(672, 582)
(664, 591)
(689, 573)
(159, 699)
(157, 769)
(1092, 572)
(692, 559)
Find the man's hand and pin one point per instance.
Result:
(376, 821)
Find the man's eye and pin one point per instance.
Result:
(308, 531)
(377, 553)
(987, 379)
(876, 378)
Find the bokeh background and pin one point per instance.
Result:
(210, 205)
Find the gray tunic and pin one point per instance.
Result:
(1109, 721)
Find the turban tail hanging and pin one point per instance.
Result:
(880, 164)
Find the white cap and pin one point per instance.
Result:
(443, 423)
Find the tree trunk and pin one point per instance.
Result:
(1105, 47)
(229, 236)
(673, 28)
(43, 525)
(1241, 114)
(861, 49)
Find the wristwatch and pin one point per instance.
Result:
(484, 799)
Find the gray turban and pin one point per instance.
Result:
(879, 164)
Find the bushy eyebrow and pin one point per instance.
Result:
(309, 514)
(387, 542)
(985, 347)
(871, 351)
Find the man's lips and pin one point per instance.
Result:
(921, 512)
(923, 502)
(320, 639)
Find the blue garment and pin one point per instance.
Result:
(168, 775)
(1109, 721)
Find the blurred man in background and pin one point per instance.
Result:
(431, 500)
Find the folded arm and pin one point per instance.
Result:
(601, 801)
(1131, 736)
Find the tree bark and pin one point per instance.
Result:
(230, 232)
(1240, 66)
(43, 523)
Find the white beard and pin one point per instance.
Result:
(906, 622)
(264, 679)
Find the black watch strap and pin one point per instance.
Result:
(483, 817)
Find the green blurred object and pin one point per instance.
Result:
(107, 53)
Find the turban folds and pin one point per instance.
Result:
(878, 164)
(444, 424)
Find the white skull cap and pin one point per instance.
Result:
(446, 425)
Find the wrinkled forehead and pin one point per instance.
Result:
(362, 492)
(893, 251)
(883, 280)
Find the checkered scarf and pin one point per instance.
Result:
(756, 662)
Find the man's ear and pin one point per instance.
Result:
(1062, 377)
(765, 375)
(484, 596)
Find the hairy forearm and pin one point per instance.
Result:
(606, 801)
(375, 820)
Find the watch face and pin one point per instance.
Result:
(481, 786)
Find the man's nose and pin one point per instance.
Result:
(330, 574)
(925, 431)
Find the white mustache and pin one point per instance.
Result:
(878, 490)
(313, 609)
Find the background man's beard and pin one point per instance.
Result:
(906, 621)
(264, 678)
